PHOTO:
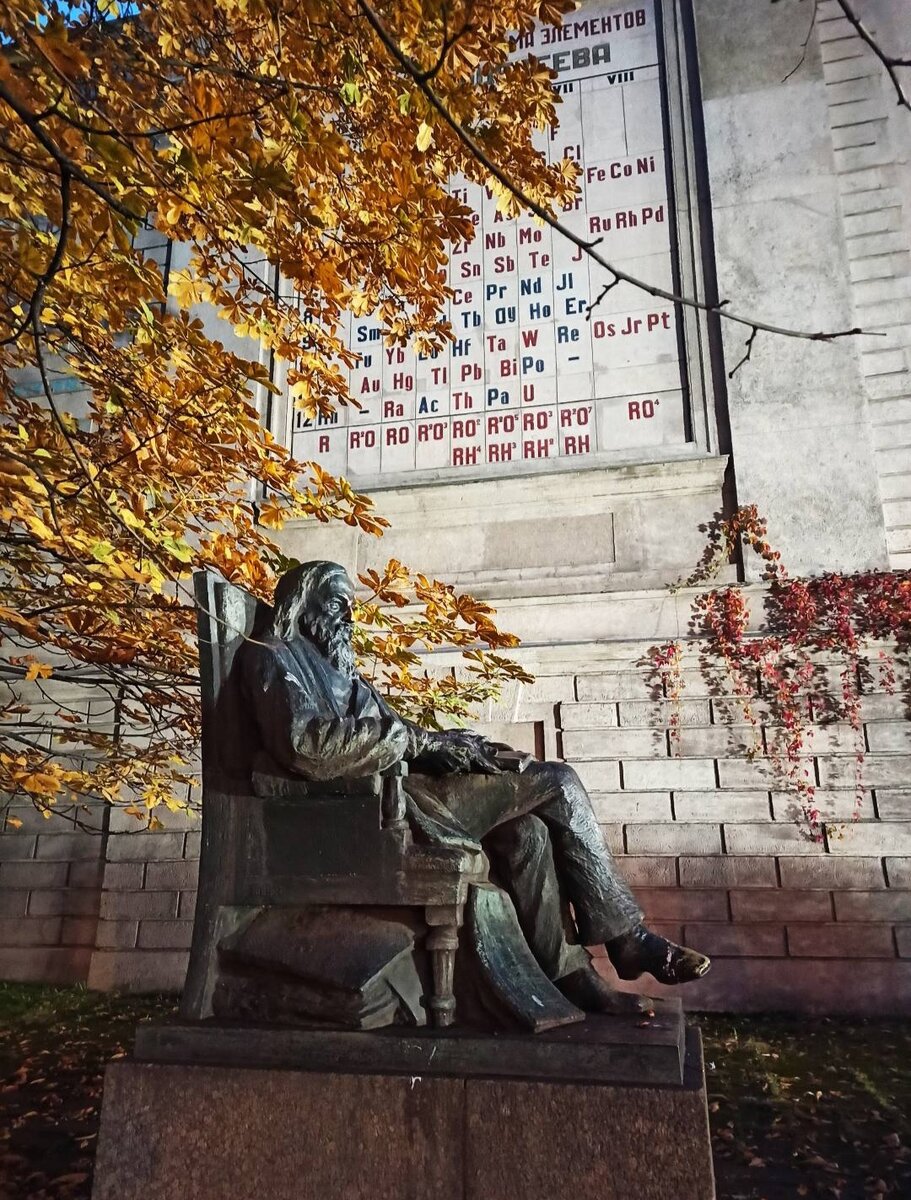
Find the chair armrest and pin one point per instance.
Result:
(270, 782)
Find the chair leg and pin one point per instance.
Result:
(442, 942)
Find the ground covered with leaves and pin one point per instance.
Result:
(799, 1107)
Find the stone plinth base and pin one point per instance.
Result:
(192, 1132)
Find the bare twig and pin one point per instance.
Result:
(804, 44)
(589, 308)
(747, 355)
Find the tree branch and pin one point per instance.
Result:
(34, 304)
(588, 247)
(887, 60)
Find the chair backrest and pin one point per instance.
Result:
(226, 617)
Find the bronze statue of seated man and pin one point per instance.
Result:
(318, 718)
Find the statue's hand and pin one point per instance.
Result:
(460, 752)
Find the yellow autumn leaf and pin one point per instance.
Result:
(424, 137)
(38, 670)
(41, 783)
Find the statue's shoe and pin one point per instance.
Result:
(640, 950)
(587, 990)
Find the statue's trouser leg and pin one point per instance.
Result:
(603, 905)
(523, 858)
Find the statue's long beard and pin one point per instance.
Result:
(333, 640)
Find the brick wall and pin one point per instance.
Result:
(50, 891)
(871, 139)
(712, 846)
(147, 904)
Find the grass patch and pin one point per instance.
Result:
(809, 1107)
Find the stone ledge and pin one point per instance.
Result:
(602, 1050)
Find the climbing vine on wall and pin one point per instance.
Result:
(818, 644)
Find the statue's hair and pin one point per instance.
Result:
(295, 593)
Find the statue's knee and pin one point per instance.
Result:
(523, 837)
(561, 776)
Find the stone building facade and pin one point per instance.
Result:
(785, 190)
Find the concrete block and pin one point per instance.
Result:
(14, 847)
(658, 713)
(889, 737)
(725, 871)
(854, 134)
(176, 876)
(719, 940)
(73, 902)
(893, 805)
(856, 114)
(832, 874)
(858, 158)
(165, 935)
(689, 774)
(821, 739)
(85, 874)
(721, 806)
(898, 872)
(596, 776)
(117, 935)
(614, 743)
(13, 903)
(730, 711)
(832, 805)
(78, 931)
(587, 716)
(903, 940)
(32, 874)
(743, 774)
(849, 68)
(124, 876)
(30, 931)
(616, 686)
(129, 905)
(841, 941)
(891, 905)
(681, 904)
(770, 838)
(633, 806)
(877, 291)
(882, 707)
(146, 847)
(870, 838)
(648, 872)
(844, 94)
(68, 846)
(63, 965)
(718, 741)
(673, 839)
(191, 846)
(186, 905)
(138, 970)
(780, 904)
(613, 839)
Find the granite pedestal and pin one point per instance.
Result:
(613, 1109)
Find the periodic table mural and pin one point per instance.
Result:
(532, 375)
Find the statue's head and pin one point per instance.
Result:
(316, 601)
